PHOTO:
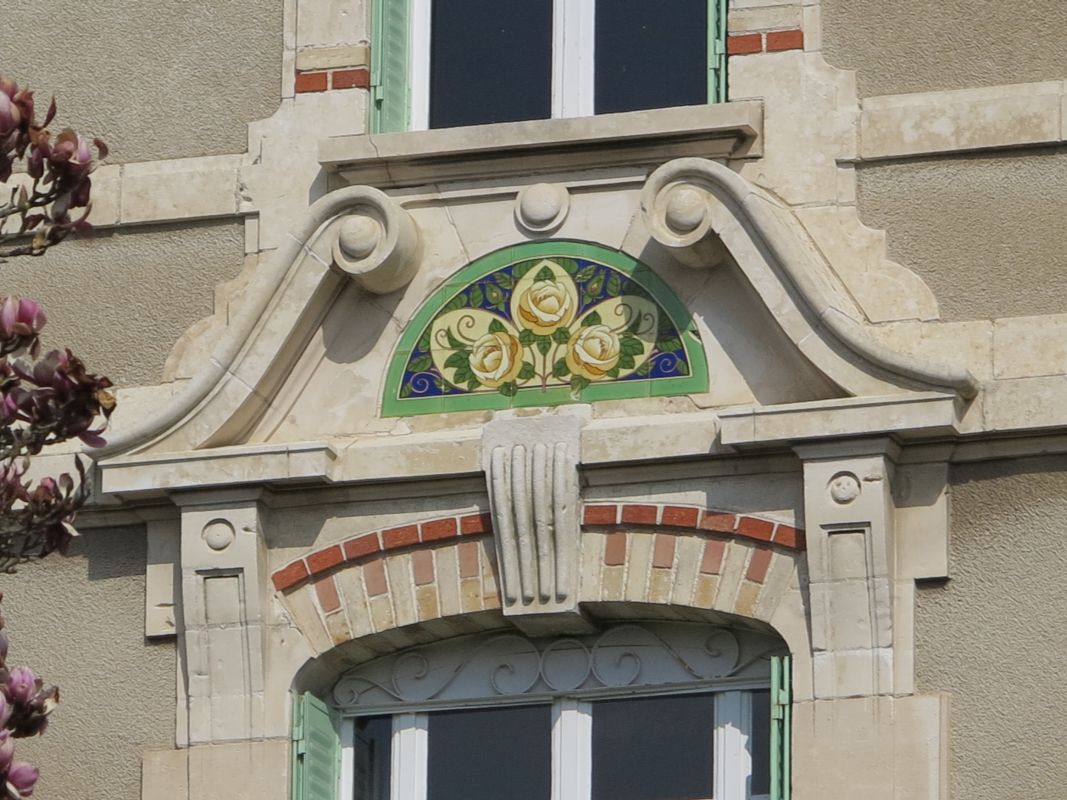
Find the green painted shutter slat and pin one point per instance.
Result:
(390, 96)
(717, 51)
(316, 750)
(781, 728)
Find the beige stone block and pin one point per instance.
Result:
(690, 551)
(305, 617)
(1026, 403)
(775, 585)
(730, 573)
(959, 344)
(855, 673)
(447, 564)
(331, 57)
(660, 583)
(381, 613)
(592, 561)
(1029, 347)
(613, 583)
(812, 27)
(748, 598)
(707, 587)
(337, 627)
(470, 592)
(904, 636)
(965, 119)
(638, 565)
(402, 589)
(159, 191)
(331, 23)
(426, 600)
(765, 18)
(165, 775)
(107, 195)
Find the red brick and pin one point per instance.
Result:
(639, 515)
(718, 521)
(310, 82)
(374, 578)
(744, 44)
(289, 576)
(757, 565)
(785, 40)
(600, 515)
(754, 528)
(712, 560)
(350, 79)
(422, 567)
(615, 550)
(325, 559)
(680, 516)
(404, 536)
(439, 529)
(360, 546)
(475, 524)
(468, 560)
(787, 536)
(326, 589)
(663, 551)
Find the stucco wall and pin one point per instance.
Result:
(985, 232)
(950, 44)
(122, 299)
(164, 79)
(79, 622)
(994, 636)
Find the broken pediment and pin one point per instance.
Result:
(688, 290)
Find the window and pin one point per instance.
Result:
(449, 63)
(668, 711)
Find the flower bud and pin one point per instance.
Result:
(23, 777)
(7, 750)
(21, 685)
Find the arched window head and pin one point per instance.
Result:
(543, 324)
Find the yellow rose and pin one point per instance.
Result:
(495, 359)
(592, 351)
(546, 306)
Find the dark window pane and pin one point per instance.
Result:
(760, 747)
(490, 754)
(490, 61)
(650, 54)
(653, 748)
(372, 749)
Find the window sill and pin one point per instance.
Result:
(635, 138)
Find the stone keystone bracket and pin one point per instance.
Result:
(531, 468)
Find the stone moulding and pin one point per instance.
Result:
(664, 517)
(745, 219)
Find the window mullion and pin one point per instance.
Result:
(410, 750)
(419, 57)
(733, 732)
(572, 756)
(572, 57)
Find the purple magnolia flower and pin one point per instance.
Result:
(7, 750)
(22, 777)
(21, 685)
(21, 316)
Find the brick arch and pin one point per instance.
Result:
(412, 582)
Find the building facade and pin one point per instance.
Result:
(499, 380)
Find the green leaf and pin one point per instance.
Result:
(613, 372)
(560, 368)
(544, 344)
(509, 389)
(457, 360)
(545, 274)
(472, 384)
(631, 345)
(504, 279)
(496, 326)
(462, 374)
(527, 371)
(520, 269)
(681, 367)
(420, 364)
(454, 343)
(561, 335)
(405, 390)
(569, 265)
(595, 286)
(459, 301)
(593, 318)
(614, 284)
(527, 337)
(644, 369)
(626, 361)
(477, 296)
(585, 273)
(671, 345)
(494, 293)
(424, 341)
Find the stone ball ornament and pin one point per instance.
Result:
(542, 206)
(376, 242)
(218, 534)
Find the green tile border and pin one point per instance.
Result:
(695, 382)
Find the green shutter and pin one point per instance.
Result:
(781, 728)
(390, 103)
(316, 750)
(717, 51)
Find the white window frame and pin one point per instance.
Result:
(572, 728)
(573, 57)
